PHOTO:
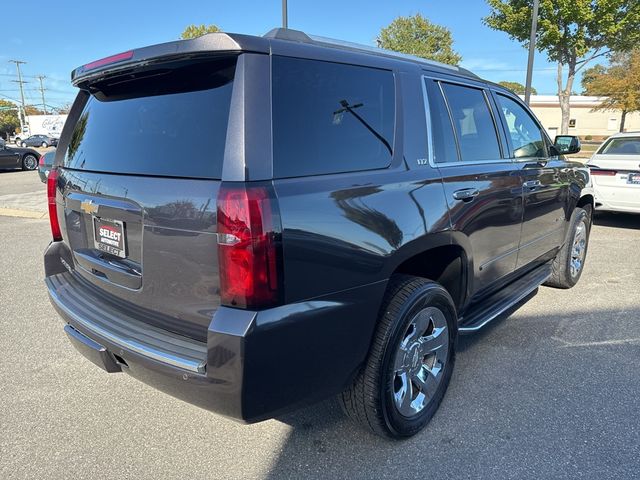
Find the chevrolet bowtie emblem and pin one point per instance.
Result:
(87, 206)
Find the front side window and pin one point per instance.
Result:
(473, 123)
(330, 117)
(525, 133)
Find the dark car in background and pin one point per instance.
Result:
(45, 164)
(16, 157)
(39, 141)
(339, 216)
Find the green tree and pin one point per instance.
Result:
(193, 31)
(619, 83)
(571, 32)
(418, 36)
(588, 75)
(517, 87)
(9, 120)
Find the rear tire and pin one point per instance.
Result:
(410, 362)
(23, 144)
(569, 262)
(44, 145)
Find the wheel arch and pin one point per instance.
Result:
(444, 258)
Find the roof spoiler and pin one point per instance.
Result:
(212, 42)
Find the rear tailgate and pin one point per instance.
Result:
(139, 180)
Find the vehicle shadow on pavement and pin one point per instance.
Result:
(519, 393)
(618, 220)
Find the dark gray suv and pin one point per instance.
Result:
(339, 216)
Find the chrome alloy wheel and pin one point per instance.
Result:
(578, 249)
(30, 162)
(420, 361)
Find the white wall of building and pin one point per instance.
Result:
(585, 120)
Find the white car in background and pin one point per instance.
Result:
(615, 173)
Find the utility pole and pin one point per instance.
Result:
(532, 48)
(285, 20)
(44, 105)
(21, 83)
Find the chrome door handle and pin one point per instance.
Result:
(532, 184)
(466, 194)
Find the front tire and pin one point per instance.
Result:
(44, 145)
(569, 262)
(29, 162)
(410, 362)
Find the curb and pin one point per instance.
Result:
(14, 212)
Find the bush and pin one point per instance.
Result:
(588, 137)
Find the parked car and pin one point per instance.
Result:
(334, 238)
(15, 157)
(45, 164)
(39, 141)
(615, 172)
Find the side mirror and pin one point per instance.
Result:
(567, 144)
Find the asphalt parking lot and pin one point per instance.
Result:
(551, 392)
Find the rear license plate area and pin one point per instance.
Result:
(109, 236)
(634, 178)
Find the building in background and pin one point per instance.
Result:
(584, 120)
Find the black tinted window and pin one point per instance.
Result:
(473, 123)
(170, 122)
(330, 118)
(444, 141)
(525, 133)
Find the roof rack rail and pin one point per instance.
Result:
(299, 36)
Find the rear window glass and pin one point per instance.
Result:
(622, 146)
(473, 122)
(169, 121)
(330, 118)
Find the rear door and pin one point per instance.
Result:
(482, 187)
(545, 182)
(140, 175)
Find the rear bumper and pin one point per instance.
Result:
(253, 366)
(613, 198)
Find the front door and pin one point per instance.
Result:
(8, 158)
(544, 185)
(482, 188)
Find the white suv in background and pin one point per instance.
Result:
(615, 173)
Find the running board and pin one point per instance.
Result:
(503, 300)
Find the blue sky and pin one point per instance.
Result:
(72, 33)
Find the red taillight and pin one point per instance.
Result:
(52, 182)
(41, 161)
(606, 173)
(119, 57)
(248, 247)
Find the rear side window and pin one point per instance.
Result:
(330, 118)
(622, 146)
(473, 123)
(444, 141)
(170, 121)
